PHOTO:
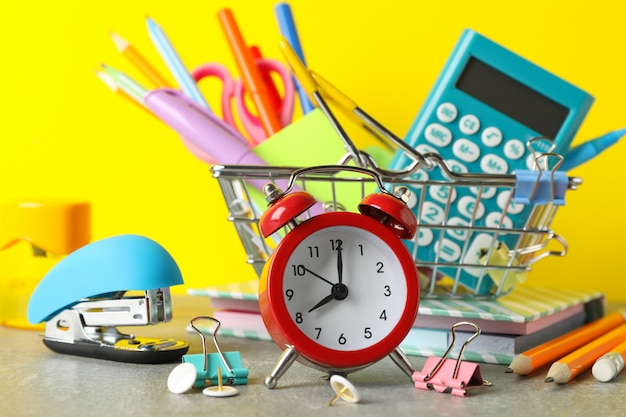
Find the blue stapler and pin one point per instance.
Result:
(117, 281)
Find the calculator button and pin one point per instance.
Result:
(465, 150)
(504, 198)
(530, 162)
(491, 136)
(424, 237)
(481, 242)
(420, 175)
(469, 208)
(441, 193)
(493, 164)
(514, 149)
(496, 221)
(458, 234)
(487, 192)
(456, 166)
(438, 135)
(469, 124)
(447, 250)
(432, 213)
(447, 112)
(424, 149)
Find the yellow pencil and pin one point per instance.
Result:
(135, 58)
(548, 352)
(569, 367)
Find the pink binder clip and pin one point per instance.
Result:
(451, 376)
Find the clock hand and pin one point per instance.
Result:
(339, 265)
(338, 292)
(318, 276)
(326, 300)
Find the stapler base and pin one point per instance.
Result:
(66, 333)
(123, 352)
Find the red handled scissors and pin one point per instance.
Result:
(233, 91)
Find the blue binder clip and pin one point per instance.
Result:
(232, 370)
(543, 185)
(84, 296)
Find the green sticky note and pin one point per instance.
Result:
(312, 141)
(309, 141)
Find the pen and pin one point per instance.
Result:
(547, 352)
(250, 74)
(288, 29)
(590, 149)
(569, 367)
(311, 87)
(352, 109)
(135, 58)
(609, 365)
(174, 63)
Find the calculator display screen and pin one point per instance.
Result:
(512, 98)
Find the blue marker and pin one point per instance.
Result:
(590, 149)
(288, 30)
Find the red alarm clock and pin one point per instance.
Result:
(340, 291)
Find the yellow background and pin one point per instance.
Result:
(65, 134)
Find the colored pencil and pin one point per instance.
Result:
(136, 59)
(582, 359)
(129, 86)
(110, 82)
(185, 81)
(548, 352)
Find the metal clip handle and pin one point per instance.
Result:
(217, 346)
(458, 361)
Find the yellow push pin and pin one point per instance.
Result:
(220, 390)
(343, 389)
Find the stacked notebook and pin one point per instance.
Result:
(510, 325)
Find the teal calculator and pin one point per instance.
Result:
(485, 107)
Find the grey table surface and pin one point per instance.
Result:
(35, 381)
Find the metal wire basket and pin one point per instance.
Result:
(507, 251)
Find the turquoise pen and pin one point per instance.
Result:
(186, 83)
(590, 149)
(288, 29)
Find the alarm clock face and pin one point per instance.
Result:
(343, 289)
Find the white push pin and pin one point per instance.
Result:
(220, 390)
(182, 378)
(343, 389)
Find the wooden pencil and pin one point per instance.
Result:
(572, 365)
(135, 58)
(546, 353)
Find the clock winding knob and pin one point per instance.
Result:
(283, 208)
(392, 211)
